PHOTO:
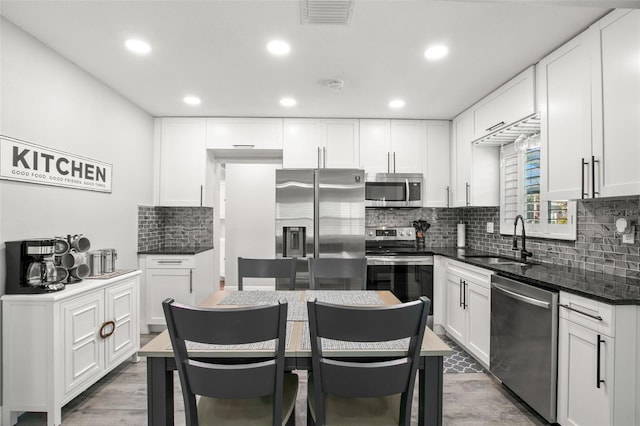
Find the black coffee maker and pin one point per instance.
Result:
(31, 267)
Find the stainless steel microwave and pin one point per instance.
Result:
(393, 190)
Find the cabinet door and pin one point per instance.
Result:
(461, 158)
(565, 131)
(302, 143)
(83, 348)
(244, 133)
(580, 401)
(164, 283)
(478, 304)
(455, 314)
(408, 146)
(121, 303)
(616, 104)
(182, 161)
(437, 166)
(507, 104)
(341, 143)
(375, 145)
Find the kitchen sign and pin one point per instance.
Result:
(25, 162)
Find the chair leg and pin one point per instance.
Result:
(310, 421)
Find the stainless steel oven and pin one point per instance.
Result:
(395, 264)
(393, 190)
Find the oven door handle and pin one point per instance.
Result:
(521, 297)
(399, 260)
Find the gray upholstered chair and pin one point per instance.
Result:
(356, 391)
(337, 273)
(254, 391)
(267, 268)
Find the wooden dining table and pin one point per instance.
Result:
(161, 364)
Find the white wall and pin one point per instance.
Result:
(47, 100)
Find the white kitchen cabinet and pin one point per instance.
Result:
(616, 104)
(474, 169)
(186, 278)
(321, 143)
(182, 161)
(509, 103)
(597, 362)
(468, 308)
(436, 168)
(56, 345)
(589, 98)
(393, 146)
(244, 133)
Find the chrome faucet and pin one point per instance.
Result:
(524, 253)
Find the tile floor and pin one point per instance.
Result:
(470, 398)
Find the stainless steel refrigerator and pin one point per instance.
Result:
(319, 213)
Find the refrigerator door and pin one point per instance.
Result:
(340, 213)
(294, 213)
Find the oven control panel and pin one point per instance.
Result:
(387, 233)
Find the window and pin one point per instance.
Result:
(521, 193)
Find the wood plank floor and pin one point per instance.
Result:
(120, 399)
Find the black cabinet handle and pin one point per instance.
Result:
(200, 195)
(467, 195)
(448, 196)
(593, 176)
(460, 293)
(582, 192)
(190, 281)
(598, 380)
(494, 126)
(464, 294)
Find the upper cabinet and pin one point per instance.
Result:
(437, 165)
(509, 103)
(321, 143)
(474, 169)
(615, 53)
(392, 146)
(244, 133)
(589, 100)
(182, 161)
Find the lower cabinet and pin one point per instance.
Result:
(468, 308)
(598, 376)
(58, 344)
(186, 278)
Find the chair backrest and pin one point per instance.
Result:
(359, 378)
(267, 268)
(351, 273)
(215, 378)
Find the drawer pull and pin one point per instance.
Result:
(494, 126)
(244, 146)
(170, 262)
(595, 317)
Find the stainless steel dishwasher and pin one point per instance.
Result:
(524, 342)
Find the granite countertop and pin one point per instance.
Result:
(177, 250)
(612, 289)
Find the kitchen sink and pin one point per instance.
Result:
(500, 260)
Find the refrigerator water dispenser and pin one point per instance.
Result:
(295, 241)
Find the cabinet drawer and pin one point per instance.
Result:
(465, 271)
(171, 262)
(584, 312)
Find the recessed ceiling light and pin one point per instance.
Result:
(436, 52)
(396, 103)
(138, 46)
(192, 100)
(287, 102)
(278, 47)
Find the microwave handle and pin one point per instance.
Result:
(407, 197)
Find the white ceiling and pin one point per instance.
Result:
(216, 50)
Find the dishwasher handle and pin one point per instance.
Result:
(521, 297)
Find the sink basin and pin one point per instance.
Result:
(499, 260)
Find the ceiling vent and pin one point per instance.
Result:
(337, 12)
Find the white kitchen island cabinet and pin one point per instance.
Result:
(597, 362)
(468, 308)
(56, 345)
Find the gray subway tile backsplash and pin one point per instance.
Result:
(597, 246)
